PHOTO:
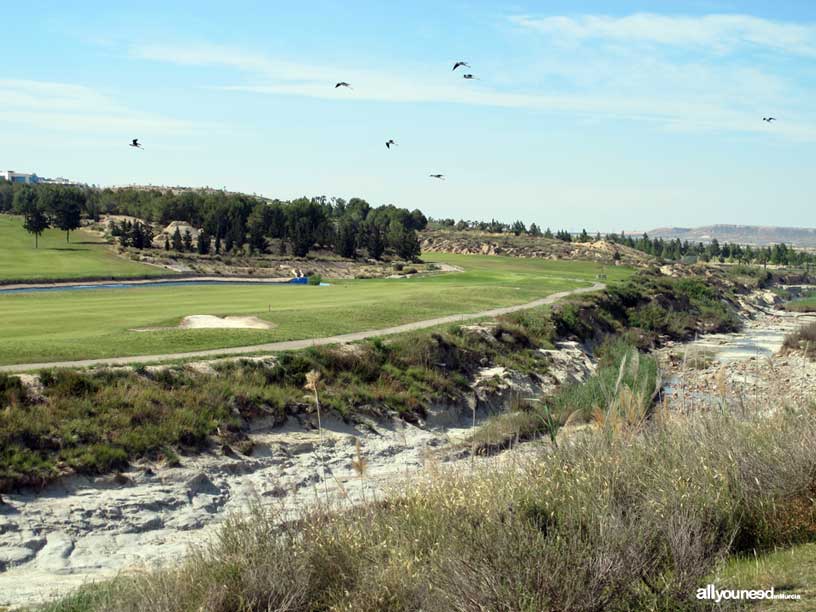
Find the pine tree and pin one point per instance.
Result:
(302, 237)
(187, 240)
(374, 241)
(125, 234)
(403, 241)
(345, 238)
(178, 245)
(203, 242)
(137, 236)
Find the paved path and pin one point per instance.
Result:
(291, 345)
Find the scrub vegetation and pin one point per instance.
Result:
(636, 520)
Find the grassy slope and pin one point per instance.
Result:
(788, 570)
(85, 256)
(88, 324)
(803, 304)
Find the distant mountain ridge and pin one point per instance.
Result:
(758, 235)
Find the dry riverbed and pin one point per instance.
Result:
(743, 371)
(83, 529)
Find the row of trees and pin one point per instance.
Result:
(517, 228)
(778, 254)
(45, 206)
(230, 222)
(298, 227)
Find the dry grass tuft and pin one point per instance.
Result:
(803, 339)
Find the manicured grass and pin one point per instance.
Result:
(93, 324)
(787, 570)
(86, 256)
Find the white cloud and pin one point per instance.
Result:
(219, 55)
(719, 33)
(64, 106)
(618, 84)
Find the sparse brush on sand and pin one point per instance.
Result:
(803, 339)
(606, 522)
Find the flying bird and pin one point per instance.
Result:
(135, 143)
(343, 84)
(769, 119)
(441, 177)
(469, 77)
(390, 142)
(460, 63)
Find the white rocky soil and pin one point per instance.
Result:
(85, 529)
(746, 370)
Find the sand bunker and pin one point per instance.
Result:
(213, 322)
(210, 321)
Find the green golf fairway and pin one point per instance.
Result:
(86, 256)
(86, 324)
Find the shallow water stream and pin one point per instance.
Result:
(735, 368)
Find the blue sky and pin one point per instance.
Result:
(606, 115)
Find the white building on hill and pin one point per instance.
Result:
(18, 177)
(32, 179)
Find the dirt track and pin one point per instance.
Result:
(291, 345)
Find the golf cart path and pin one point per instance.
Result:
(292, 345)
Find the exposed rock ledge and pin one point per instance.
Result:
(83, 529)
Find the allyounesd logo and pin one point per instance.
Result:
(711, 593)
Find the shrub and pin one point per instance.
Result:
(67, 383)
(12, 391)
(803, 339)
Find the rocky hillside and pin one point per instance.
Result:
(483, 243)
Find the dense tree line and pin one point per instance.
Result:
(229, 222)
(517, 228)
(778, 254)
